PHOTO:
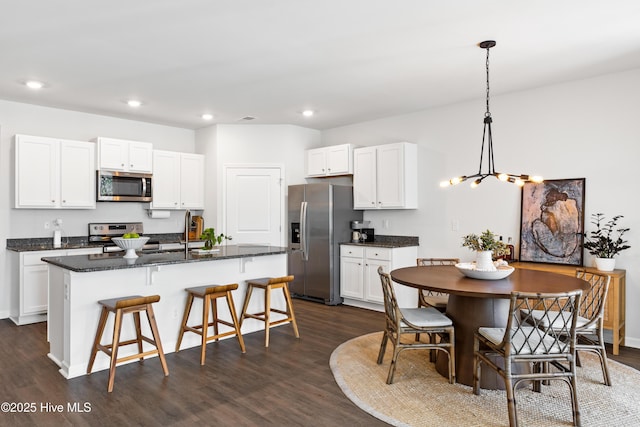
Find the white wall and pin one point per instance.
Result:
(255, 144)
(587, 128)
(18, 118)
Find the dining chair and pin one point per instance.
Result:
(526, 341)
(434, 299)
(401, 321)
(589, 328)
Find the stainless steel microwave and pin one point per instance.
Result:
(113, 186)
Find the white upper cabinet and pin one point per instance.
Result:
(54, 173)
(123, 155)
(178, 180)
(330, 161)
(386, 177)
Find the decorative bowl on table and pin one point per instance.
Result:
(469, 270)
(130, 245)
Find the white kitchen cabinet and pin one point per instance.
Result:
(54, 173)
(178, 180)
(31, 301)
(123, 155)
(359, 280)
(386, 176)
(330, 161)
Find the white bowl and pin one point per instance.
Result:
(130, 245)
(469, 270)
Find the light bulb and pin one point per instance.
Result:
(134, 103)
(456, 180)
(445, 183)
(537, 179)
(475, 183)
(33, 84)
(503, 177)
(207, 116)
(519, 182)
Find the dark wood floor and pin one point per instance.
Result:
(288, 384)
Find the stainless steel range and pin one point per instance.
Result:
(103, 232)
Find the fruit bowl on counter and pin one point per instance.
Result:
(130, 245)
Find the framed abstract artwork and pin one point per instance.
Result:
(552, 221)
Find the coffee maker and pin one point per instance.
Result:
(360, 233)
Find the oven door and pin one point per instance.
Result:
(123, 187)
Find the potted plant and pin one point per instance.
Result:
(606, 241)
(212, 239)
(487, 247)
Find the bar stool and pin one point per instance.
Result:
(268, 284)
(210, 295)
(119, 306)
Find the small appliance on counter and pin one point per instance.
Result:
(360, 233)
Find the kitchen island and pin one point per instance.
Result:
(77, 283)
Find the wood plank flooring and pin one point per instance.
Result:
(288, 384)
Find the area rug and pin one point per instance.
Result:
(419, 396)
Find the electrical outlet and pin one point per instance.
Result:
(47, 225)
(455, 225)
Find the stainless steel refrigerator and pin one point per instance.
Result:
(319, 218)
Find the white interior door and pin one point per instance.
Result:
(254, 204)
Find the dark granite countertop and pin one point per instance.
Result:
(115, 261)
(382, 241)
(80, 242)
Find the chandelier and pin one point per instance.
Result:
(487, 140)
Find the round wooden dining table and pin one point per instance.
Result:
(474, 303)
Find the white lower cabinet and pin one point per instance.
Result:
(32, 298)
(360, 284)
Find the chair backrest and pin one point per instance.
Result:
(427, 262)
(391, 309)
(526, 333)
(593, 301)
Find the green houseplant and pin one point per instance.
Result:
(486, 241)
(606, 241)
(487, 248)
(212, 239)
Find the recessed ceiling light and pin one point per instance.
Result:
(34, 84)
(134, 103)
(308, 113)
(207, 116)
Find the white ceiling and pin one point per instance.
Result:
(351, 60)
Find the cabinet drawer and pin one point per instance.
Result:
(352, 251)
(378, 253)
(33, 258)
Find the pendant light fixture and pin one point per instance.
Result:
(487, 140)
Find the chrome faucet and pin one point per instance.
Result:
(187, 224)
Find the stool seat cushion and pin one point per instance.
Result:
(211, 289)
(130, 301)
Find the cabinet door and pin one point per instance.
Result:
(77, 175)
(317, 162)
(37, 163)
(372, 284)
(390, 178)
(364, 178)
(166, 180)
(113, 154)
(140, 155)
(339, 160)
(34, 296)
(351, 277)
(192, 181)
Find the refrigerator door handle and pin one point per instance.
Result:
(303, 231)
